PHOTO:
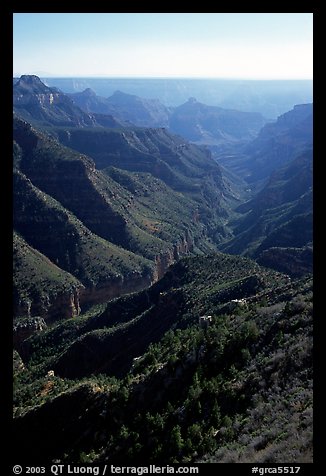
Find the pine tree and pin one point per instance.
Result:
(176, 440)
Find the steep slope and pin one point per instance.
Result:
(184, 167)
(280, 215)
(286, 184)
(105, 205)
(44, 106)
(277, 144)
(126, 107)
(181, 165)
(39, 286)
(234, 387)
(104, 269)
(136, 224)
(109, 342)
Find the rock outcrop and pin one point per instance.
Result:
(94, 227)
(38, 103)
(24, 328)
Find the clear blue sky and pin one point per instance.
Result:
(216, 45)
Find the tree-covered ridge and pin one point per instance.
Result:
(127, 326)
(202, 390)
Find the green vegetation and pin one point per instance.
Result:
(63, 239)
(237, 389)
(37, 281)
(191, 288)
(204, 358)
(183, 167)
(293, 261)
(113, 229)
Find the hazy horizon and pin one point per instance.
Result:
(197, 78)
(227, 46)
